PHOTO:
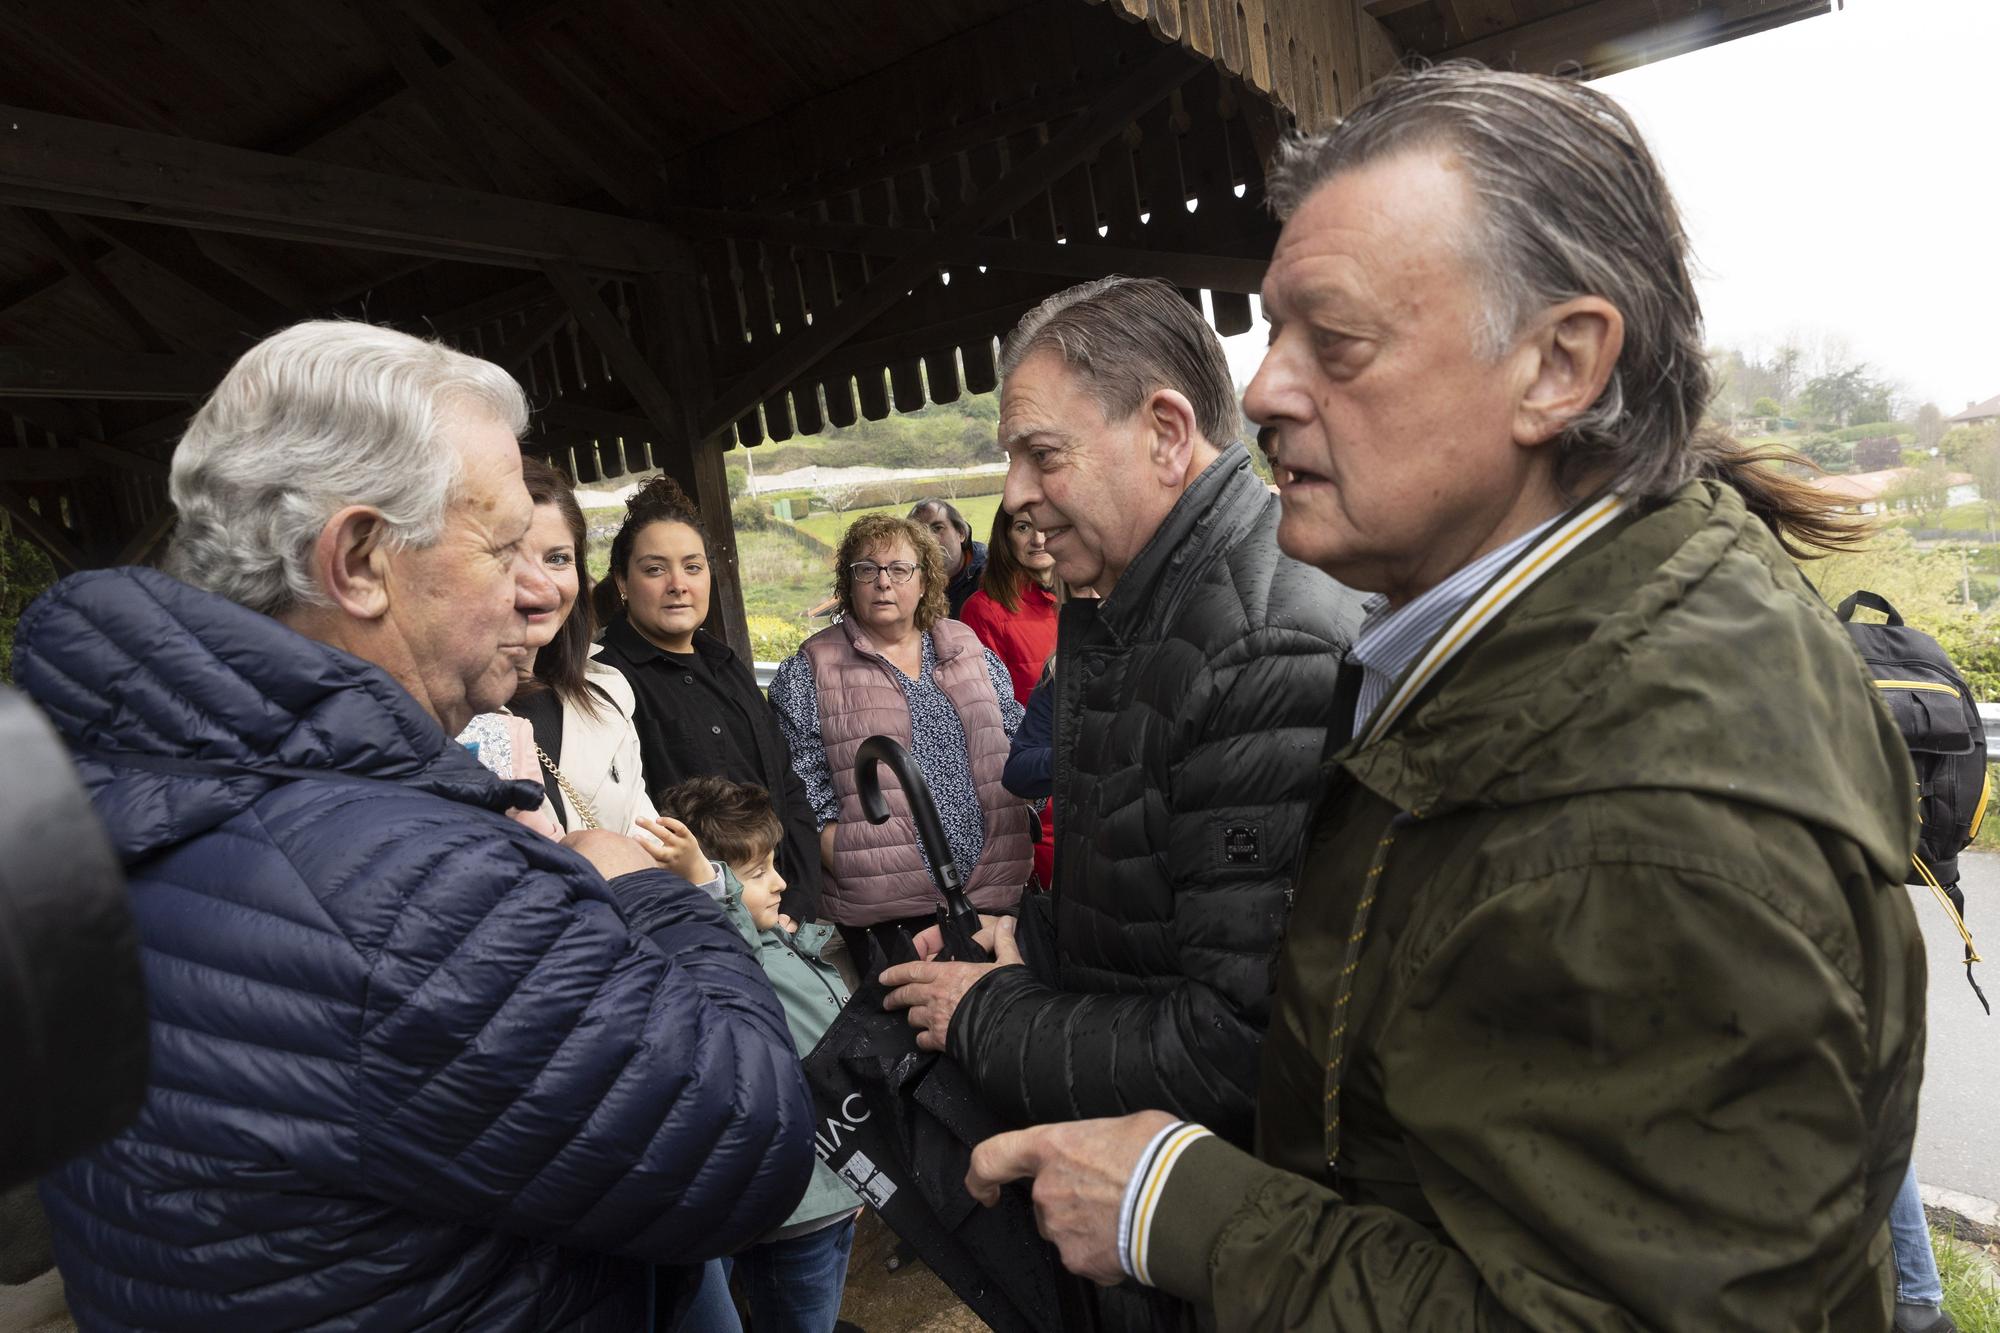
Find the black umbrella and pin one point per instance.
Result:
(899, 1124)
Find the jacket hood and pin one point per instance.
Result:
(183, 708)
(1702, 661)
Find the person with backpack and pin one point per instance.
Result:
(1939, 721)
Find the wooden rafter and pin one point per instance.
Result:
(648, 390)
(1152, 83)
(59, 464)
(531, 337)
(174, 253)
(80, 167)
(147, 539)
(464, 29)
(41, 530)
(45, 372)
(1087, 258)
(71, 254)
(1605, 36)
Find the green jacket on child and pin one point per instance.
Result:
(812, 994)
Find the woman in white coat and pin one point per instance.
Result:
(569, 726)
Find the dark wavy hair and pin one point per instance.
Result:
(733, 821)
(560, 663)
(1006, 578)
(872, 530)
(660, 500)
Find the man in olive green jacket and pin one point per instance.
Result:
(1601, 1005)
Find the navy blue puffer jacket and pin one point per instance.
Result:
(415, 1067)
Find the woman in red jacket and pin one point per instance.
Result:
(1014, 611)
(1014, 614)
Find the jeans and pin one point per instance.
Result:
(1910, 1236)
(794, 1286)
(713, 1311)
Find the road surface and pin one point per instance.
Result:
(1958, 1126)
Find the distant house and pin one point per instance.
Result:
(1865, 492)
(1977, 414)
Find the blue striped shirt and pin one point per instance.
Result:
(1389, 641)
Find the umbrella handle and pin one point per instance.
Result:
(957, 919)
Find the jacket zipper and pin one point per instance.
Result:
(1337, 1036)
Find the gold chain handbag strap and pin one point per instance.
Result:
(584, 810)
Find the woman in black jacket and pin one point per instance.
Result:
(700, 713)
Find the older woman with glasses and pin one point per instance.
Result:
(894, 665)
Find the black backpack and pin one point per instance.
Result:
(1935, 711)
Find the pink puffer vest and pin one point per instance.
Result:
(878, 874)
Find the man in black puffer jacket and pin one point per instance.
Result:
(1192, 705)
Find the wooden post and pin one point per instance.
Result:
(676, 344)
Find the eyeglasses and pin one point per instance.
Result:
(867, 571)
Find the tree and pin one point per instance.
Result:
(1836, 396)
(1925, 586)
(1926, 492)
(839, 496)
(1766, 406)
(1829, 454)
(25, 572)
(1785, 365)
(1960, 443)
(1930, 426)
(1983, 462)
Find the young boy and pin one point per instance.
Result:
(792, 1279)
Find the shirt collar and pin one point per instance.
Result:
(1389, 640)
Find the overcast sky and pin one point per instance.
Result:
(1840, 178)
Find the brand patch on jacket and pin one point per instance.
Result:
(1242, 844)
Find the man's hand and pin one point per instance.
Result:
(613, 854)
(678, 851)
(929, 941)
(1080, 1170)
(931, 991)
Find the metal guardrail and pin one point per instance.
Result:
(766, 670)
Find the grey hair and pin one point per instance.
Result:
(1570, 203)
(1128, 337)
(948, 509)
(314, 418)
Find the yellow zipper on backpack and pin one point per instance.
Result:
(1931, 685)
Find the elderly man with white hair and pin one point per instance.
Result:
(414, 1065)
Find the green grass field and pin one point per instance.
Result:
(1972, 517)
(978, 511)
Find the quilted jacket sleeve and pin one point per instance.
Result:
(534, 1060)
(1234, 792)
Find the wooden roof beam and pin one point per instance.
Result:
(1150, 84)
(71, 254)
(79, 166)
(44, 372)
(463, 29)
(1087, 258)
(1605, 36)
(41, 530)
(174, 253)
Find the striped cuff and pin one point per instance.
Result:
(1142, 1194)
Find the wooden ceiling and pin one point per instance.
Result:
(677, 221)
